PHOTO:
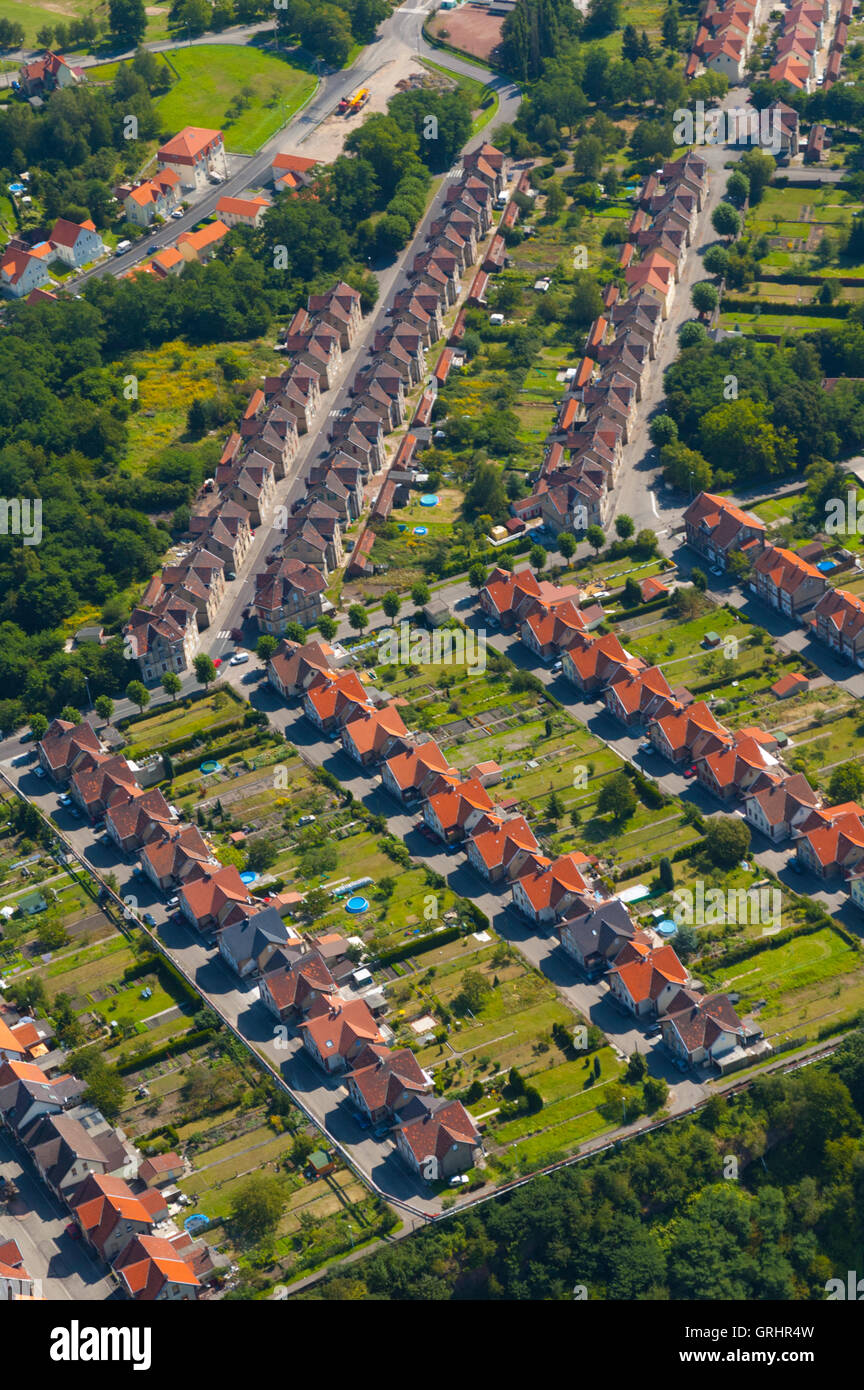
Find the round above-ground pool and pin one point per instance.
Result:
(667, 927)
(429, 499)
(248, 876)
(357, 904)
(211, 765)
(421, 530)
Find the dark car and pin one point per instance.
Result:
(653, 1030)
(154, 246)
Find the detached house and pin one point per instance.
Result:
(24, 271)
(440, 1143)
(595, 933)
(372, 735)
(193, 155)
(288, 591)
(702, 1028)
(151, 1269)
(549, 890)
(293, 667)
(143, 817)
(250, 944)
(336, 1038)
(637, 698)
(453, 812)
(778, 810)
(216, 900)
(75, 244)
(644, 978)
(504, 850)
(831, 841)
(68, 748)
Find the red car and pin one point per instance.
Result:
(689, 772)
(217, 661)
(73, 1231)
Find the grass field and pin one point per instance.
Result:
(213, 77)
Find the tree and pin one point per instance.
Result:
(646, 543)
(295, 632)
(45, 36)
(104, 707)
(71, 714)
(759, 169)
(624, 526)
(725, 220)
(261, 854)
(105, 1088)
(595, 538)
(716, 260)
(705, 297)
(138, 693)
(420, 592)
(328, 627)
(486, 495)
(727, 840)
(204, 668)
(617, 797)
(172, 685)
(477, 575)
(554, 806)
(38, 726)
(127, 21)
(358, 617)
(537, 557)
(654, 1092)
(636, 1067)
(391, 603)
(266, 646)
(566, 544)
(738, 188)
(700, 581)
(847, 783)
(666, 875)
(670, 25)
(691, 333)
(256, 1207)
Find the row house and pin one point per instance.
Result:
(317, 346)
(439, 270)
(224, 527)
(297, 391)
(288, 591)
(24, 1095)
(486, 164)
(654, 277)
(337, 484)
(199, 581)
(66, 1151)
(402, 346)
(273, 435)
(549, 631)
(340, 308)
(716, 528)
(315, 540)
(362, 439)
(164, 641)
(474, 198)
(420, 307)
(380, 389)
(109, 1214)
(641, 316)
(456, 231)
(786, 582)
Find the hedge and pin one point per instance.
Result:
(238, 746)
(771, 943)
(167, 1049)
(418, 946)
(771, 306)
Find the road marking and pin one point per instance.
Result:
(653, 504)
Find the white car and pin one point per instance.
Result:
(461, 1180)
(239, 658)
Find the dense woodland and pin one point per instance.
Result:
(658, 1219)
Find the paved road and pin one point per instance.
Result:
(37, 1222)
(398, 37)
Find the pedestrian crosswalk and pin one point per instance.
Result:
(225, 632)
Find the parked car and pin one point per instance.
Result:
(362, 1120)
(238, 658)
(646, 747)
(557, 665)
(73, 1230)
(153, 247)
(460, 1180)
(177, 213)
(65, 799)
(38, 772)
(306, 820)
(74, 812)
(149, 919)
(653, 1030)
(689, 772)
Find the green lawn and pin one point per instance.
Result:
(212, 77)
